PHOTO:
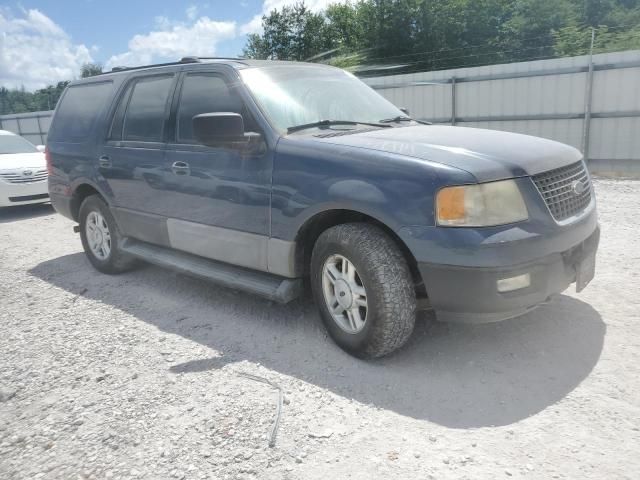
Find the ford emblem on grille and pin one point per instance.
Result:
(27, 173)
(578, 187)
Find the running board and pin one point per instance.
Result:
(267, 285)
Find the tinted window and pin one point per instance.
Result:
(146, 112)
(78, 110)
(115, 133)
(203, 94)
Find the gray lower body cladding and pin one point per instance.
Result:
(272, 287)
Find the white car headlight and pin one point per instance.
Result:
(481, 205)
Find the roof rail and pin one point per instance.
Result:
(139, 67)
(183, 60)
(221, 58)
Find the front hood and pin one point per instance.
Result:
(486, 154)
(14, 161)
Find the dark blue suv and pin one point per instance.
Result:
(258, 174)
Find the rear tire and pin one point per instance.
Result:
(101, 238)
(364, 289)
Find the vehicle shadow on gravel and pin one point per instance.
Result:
(23, 212)
(459, 376)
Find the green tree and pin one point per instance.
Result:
(22, 101)
(292, 33)
(529, 31)
(410, 35)
(90, 69)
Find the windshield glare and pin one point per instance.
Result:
(14, 144)
(296, 95)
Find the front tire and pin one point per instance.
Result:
(101, 238)
(363, 287)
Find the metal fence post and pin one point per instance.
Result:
(453, 100)
(40, 130)
(588, 99)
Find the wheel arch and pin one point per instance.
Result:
(80, 192)
(313, 227)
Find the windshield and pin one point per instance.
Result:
(296, 95)
(15, 144)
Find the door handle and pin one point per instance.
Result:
(180, 168)
(104, 161)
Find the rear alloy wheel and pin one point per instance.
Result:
(100, 237)
(363, 288)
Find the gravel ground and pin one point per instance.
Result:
(140, 376)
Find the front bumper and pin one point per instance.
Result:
(12, 194)
(470, 294)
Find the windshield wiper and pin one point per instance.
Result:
(399, 118)
(327, 123)
(402, 118)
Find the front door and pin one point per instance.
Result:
(216, 199)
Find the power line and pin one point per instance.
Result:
(445, 63)
(585, 28)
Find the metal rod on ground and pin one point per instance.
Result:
(586, 132)
(276, 422)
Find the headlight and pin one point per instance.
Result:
(482, 205)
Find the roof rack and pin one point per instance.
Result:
(180, 62)
(216, 58)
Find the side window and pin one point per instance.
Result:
(78, 111)
(115, 133)
(146, 112)
(203, 93)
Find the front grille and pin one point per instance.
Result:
(20, 177)
(557, 187)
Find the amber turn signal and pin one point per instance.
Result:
(450, 202)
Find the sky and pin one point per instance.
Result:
(46, 41)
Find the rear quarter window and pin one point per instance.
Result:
(78, 111)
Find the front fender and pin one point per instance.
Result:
(312, 177)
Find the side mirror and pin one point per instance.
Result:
(40, 148)
(215, 128)
(405, 111)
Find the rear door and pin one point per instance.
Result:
(132, 160)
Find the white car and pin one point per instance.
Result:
(23, 171)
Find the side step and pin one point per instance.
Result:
(273, 287)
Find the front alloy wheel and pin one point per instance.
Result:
(363, 288)
(344, 294)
